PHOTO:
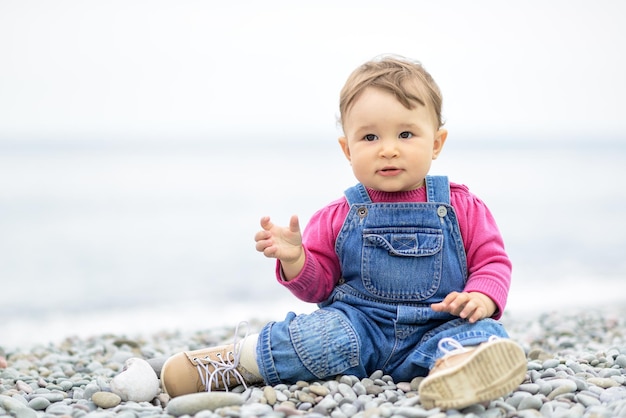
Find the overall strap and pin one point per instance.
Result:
(438, 189)
(357, 194)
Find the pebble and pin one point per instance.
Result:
(530, 402)
(138, 382)
(319, 390)
(16, 408)
(39, 403)
(561, 386)
(602, 382)
(270, 395)
(106, 400)
(196, 402)
(576, 368)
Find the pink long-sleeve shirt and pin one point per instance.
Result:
(489, 268)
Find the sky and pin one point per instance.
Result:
(155, 69)
(210, 71)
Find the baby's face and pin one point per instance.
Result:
(390, 147)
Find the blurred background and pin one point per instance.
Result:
(141, 141)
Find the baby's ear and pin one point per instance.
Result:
(343, 142)
(440, 138)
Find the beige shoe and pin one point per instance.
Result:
(215, 368)
(466, 376)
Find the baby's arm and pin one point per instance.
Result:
(283, 243)
(472, 306)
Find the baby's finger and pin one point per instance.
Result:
(261, 235)
(266, 223)
(472, 312)
(456, 302)
(262, 245)
(294, 224)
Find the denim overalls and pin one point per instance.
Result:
(379, 315)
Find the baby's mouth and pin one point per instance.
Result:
(389, 171)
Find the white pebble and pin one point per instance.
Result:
(137, 382)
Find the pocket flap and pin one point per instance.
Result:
(413, 243)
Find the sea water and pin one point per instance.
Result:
(139, 236)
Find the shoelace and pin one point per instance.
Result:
(223, 368)
(457, 346)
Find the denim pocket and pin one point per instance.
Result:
(402, 264)
(325, 342)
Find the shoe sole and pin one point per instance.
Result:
(491, 371)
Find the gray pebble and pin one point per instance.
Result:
(415, 383)
(551, 363)
(561, 386)
(327, 403)
(332, 385)
(305, 397)
(90, 389)
(359, 389)
(612, 394)
(281, 397)
(412, 401)
(256, 409)
(193, 403)
(531, 388)
(528, 413)
(587, 400)
(504, 406)
(16, 408)
(544, 387)
(531, 402)
(391, 396)
(412, 412)
(517, 398)
(609, 372)
(127, 414)
(620, 360)
(59, 408)
(376, 375)
(39, 403)
(347, 392)
(66, 385)
(576, 368)
(337, 413)
(349, 409)
(51, 396)
(20, 398)
(305, 406)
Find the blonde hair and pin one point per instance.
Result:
(407, 80)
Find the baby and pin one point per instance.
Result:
(409, 270)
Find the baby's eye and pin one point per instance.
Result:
(370, 137)
(405, 135)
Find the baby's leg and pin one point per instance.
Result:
(212, 368)
(473, 363)
(308, 347)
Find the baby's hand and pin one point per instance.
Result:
(279, 242)
(282, 243)
(472, 306)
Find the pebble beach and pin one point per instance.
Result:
(576, 368)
